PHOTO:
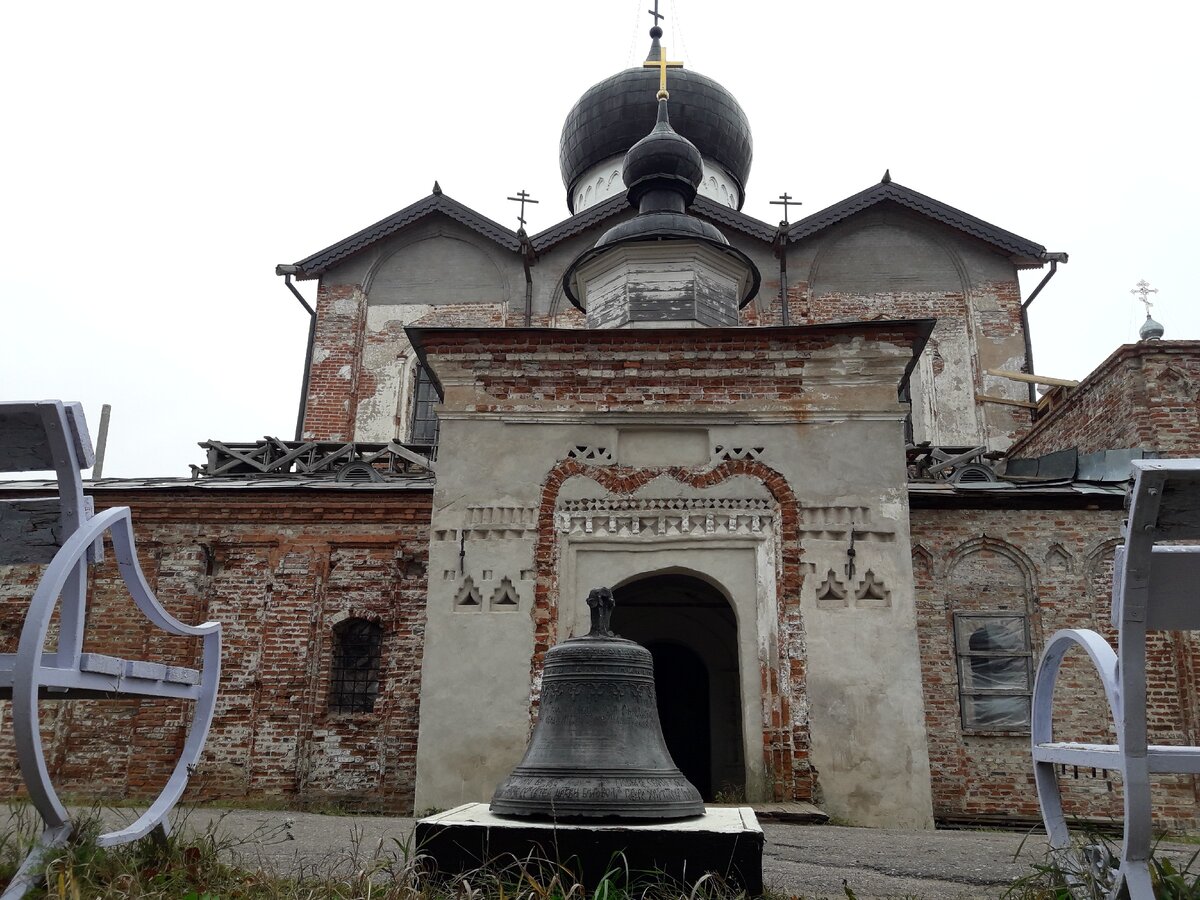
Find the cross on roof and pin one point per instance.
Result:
(662, 64)
(654, 12)
(785, 199)
(1143, 292)
(522, 197)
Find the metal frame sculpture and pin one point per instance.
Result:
(53, 435)
(1154, 588)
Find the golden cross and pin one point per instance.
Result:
(662, 65)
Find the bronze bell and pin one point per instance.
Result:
(597, 749)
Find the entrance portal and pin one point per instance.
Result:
(689, 628)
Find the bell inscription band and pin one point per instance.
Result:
(597, 749)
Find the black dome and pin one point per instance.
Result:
(615, 114)
(663, 159)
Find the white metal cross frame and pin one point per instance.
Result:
(1156, 586)
(53, 435)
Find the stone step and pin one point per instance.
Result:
(794, 812)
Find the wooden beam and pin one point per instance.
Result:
(988, 398)
(1031, 379)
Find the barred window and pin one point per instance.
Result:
(994, 670)
(424, 425)
(354, 677)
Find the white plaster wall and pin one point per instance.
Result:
(943, 388)
(841, 453)
(384, 413)
(864, 676)
(475, 674)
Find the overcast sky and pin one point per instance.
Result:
(160, 158)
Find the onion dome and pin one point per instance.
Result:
(662, 159)
(662, 172)
(661, 267)
(614, 114)
(1151, 330)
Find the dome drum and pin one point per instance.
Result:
(660, 284)
(603, 180)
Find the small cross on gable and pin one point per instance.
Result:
(785, 200)
(522, 197)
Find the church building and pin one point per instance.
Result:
(807, 458)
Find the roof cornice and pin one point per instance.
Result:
(437, 202)
(593, 215)
(1023, 252)
(708, 208)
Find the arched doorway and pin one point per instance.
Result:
(690, 629)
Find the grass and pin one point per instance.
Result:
(210, 864)
(1087, 871)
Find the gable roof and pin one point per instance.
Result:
(437, 202)
(733, 218)
(581, 221)
(1023, 252)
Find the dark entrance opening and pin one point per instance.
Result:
(681, 685)
(691, 631)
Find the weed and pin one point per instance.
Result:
(730, 793)
(1087, 870)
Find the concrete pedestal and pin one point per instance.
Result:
(726, 840)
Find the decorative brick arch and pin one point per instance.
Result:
(1096, 584)
(1015, 557)
(786, 739)
(1001, 548)
(923, 566)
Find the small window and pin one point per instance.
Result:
(354, 677)
(994, 674)
(424, 428)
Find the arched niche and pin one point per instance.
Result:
(436, 270)
(883, 257)
(990, 573)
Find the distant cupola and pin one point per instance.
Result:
(663, 267)
(1151, 330)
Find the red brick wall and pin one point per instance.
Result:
(1144, 395)
(1056, 566)
(333, 387)
(279, 569)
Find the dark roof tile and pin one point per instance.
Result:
(1025, 253)
(579, 222)
(323, 260)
